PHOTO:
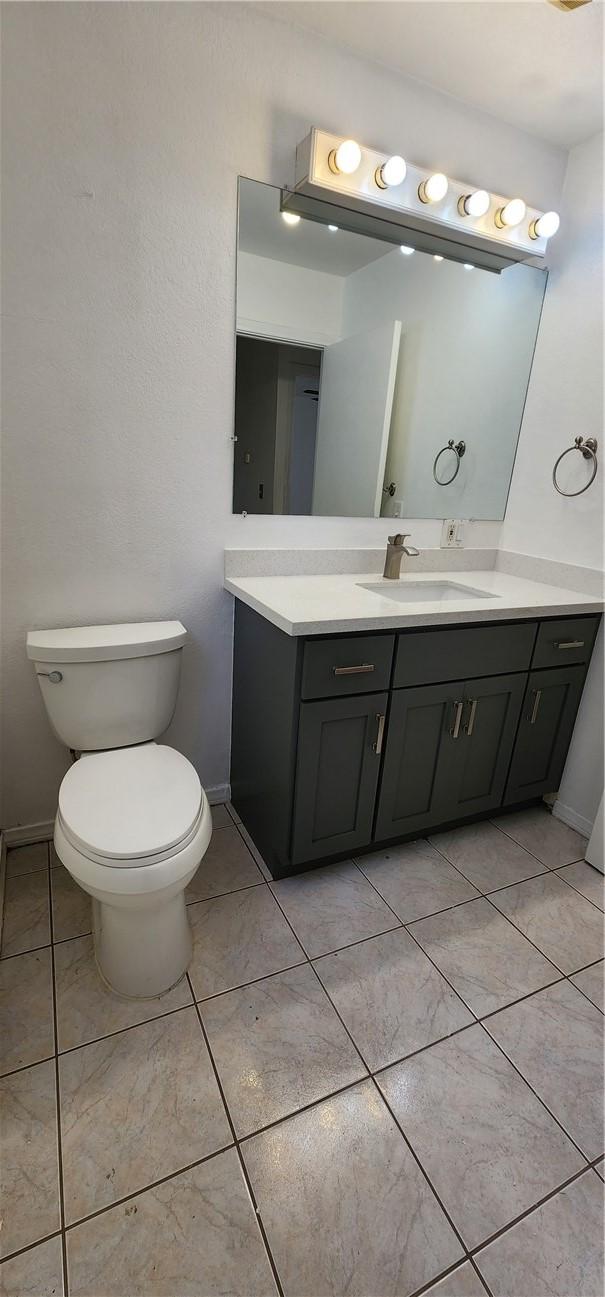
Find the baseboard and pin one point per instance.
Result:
(219, 793)
(570, 817)
(23, 834)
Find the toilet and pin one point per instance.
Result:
(133, 820)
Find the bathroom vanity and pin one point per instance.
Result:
(426, 713)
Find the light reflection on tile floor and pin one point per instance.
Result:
(239, 1146)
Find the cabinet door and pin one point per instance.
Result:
(487, 735)
(549, 714)
(339, 745)
(419, 763)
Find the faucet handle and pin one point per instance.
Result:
(399, 539)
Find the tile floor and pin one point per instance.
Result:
(379, 1079)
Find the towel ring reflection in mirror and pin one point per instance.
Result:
(588, 449)
(458, 450)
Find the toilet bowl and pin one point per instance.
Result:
(133, 820)
(131, 829)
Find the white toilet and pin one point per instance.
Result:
(133, 821)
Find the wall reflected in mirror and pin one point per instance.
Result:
(358, 361)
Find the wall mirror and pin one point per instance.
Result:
(373, 380)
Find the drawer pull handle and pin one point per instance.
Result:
(362, 669)
(569, 643)
(536, 707)
(457, 717)
(471, 719)
(377, 745)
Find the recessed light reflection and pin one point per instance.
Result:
(468, 266)
(333, 228)
(407, 251)
(291, 218)
(437, 257)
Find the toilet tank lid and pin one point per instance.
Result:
(100, 643)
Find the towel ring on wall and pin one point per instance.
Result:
(586, 448)
(458, 450)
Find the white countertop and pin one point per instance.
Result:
(323, 605)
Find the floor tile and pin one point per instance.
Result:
(135, 1107)
(87, 1009)
(278, 1045)
(221, 818)
(390, 997)
(35, 1273)
(463, 1282)
(331, 907)
(344, 1204)
(226, 867)
(560, 922)
(27, 1032)
(72, 907)
(26, 913)
(239, 938)
(587, 880)
(26, 860)
(557, 1251)
(195, 1235)
(415, 880)
(487, 962)
(254, 851)
(555, 1039)
(486, 856)
(29, 1167)
(592, 982)
(486, 1142)
(550, 840)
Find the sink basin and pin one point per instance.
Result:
(424, 591)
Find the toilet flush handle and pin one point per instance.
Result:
(55, 677)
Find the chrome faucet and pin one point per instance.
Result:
(395, 552)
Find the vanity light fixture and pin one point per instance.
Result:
(545, 226)
(291, 218)
(475, 204)
(433, 189)
(511, 214)
(345, 159)
(391, 173)
(407, 251)
(333, 228)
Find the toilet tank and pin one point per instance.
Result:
(108, 686)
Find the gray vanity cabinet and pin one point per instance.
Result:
(549, 712)
(339, 743)
(447, 752)
(344, 743)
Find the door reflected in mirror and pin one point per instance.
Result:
(358, 362)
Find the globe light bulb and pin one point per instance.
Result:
(345, 159)
(391, 173)
(433, 189)
(511, 214)
(475, 204)
(545, 226)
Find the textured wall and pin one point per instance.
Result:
(125, 127)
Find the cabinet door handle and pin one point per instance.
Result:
(362, 669)
(377, 745)
(568, 643)
(536, 707)
(457, 717)
(469, 727)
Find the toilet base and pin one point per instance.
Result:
(141, 954)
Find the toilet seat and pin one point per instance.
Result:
(130, 807)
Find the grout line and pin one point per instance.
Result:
(530, 1210)
(575, 889)
(243, 1167)
(532, 853)
(57, 1086)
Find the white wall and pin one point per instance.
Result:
(565, 399)
(125, 128)
(294, 303)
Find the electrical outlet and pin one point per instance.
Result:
(452, 533)
(397, 509)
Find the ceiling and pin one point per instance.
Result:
(525, 61)
(262, 231)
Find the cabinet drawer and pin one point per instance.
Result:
(435, 656)
(347, 665)
(565, 642)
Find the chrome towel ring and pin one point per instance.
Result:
(588, 449)
(458, 450)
